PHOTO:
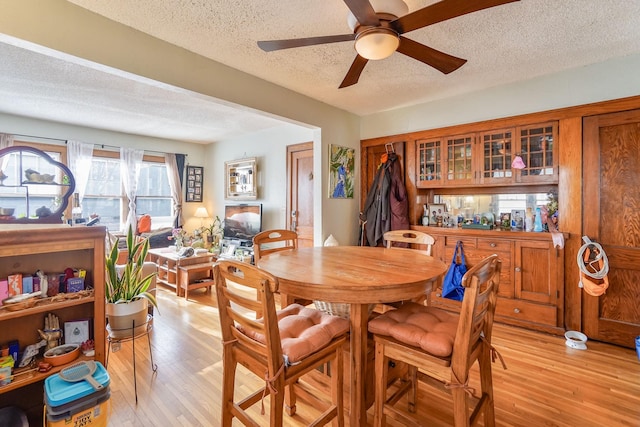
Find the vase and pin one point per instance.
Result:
(179, 245)
(127, 319)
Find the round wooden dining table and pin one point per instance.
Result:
(359, 276)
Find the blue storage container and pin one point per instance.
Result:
(67, 401)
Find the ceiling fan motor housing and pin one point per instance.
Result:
(395, 8)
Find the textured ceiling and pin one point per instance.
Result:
(508, 43)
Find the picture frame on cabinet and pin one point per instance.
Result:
(77, 331)
(437, 210)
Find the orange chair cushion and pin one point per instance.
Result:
(431, 329)
(303, 331)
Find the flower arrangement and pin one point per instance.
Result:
(179, 235)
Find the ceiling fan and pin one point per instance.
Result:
(378, 26)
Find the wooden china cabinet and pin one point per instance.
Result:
(477, 159)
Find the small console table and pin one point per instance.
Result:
(183, 273)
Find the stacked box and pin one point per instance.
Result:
(77, 403)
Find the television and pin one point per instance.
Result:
(242, 222)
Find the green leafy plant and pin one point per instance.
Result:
(129, 285)
(215, 227)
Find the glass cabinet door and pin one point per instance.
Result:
(429, 163)
(496, 157)
(459, 159)
(538, 151)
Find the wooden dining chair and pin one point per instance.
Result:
(411, 239)
(280, 347)
(271, 241)
(440, 349)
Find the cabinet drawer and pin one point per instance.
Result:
(495, 245)
(467, 242)
(526, 311)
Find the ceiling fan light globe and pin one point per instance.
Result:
(378, 43)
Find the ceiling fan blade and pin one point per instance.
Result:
(363, 11)
(441, 11)
(271, 45)
(439, 60)
(354, 72)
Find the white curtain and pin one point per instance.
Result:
(79, 155)
(130, 165)
(176, 189)
(6, 140)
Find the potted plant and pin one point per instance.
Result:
(126, 289)
(214, 230)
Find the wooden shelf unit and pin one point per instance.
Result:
(51, 249)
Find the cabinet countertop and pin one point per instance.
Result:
(496, 233)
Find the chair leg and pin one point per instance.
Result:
(228, 384)
(460, 407)
(290, 399)
(381, 362)
(486, 382)
(413, 391)
(277, 402)
(459, 377)
(337, 398)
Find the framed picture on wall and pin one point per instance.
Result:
(194, 183)
(341, 168)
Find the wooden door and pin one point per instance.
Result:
(611, 144)
(300, 192)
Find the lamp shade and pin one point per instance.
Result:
(201, 213)
(377, 43)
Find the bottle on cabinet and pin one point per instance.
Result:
(537, 225)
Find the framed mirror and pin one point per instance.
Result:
(240, 179)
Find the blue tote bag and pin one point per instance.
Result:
(452, 284)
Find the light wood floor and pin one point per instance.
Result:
(546, 383)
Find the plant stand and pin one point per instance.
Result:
(134, 333)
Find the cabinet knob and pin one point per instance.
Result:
(516, 310)
(518, 269)
(438, 294)
(493, 245)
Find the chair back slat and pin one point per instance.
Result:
(412, 237)
(270, 241)
(238, 313)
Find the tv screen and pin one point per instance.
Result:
(242, 221)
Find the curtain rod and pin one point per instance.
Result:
(95, 145)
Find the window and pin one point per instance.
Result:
(41, 195)
(154, 194)
(105, 195)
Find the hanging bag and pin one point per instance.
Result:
(452, 284)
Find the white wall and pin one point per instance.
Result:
(269, 148)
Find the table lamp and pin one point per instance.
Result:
(201, 213)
